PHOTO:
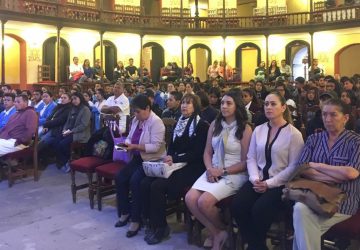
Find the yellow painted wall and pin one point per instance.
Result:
(326, 44)
(246, 9)
(12, 60)
(349, 61)
(298, 5)
(248, 64)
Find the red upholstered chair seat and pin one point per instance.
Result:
(105, 174)
(88, 163)
(348, 229)
(109, 170)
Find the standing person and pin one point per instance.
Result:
(187, 145)
(334, 157)
(146, 142)
(225, 161)
(270, 163)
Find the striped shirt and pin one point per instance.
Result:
(345, 152)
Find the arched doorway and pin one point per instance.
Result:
(346, 60)
(248, 57)
(153, 59)
(49, 57)
(109, 59)
(200, 56)
(15, 60)
(295, 52)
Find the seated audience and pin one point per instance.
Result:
(118, 104)
(20, 128)
(173, 106)
(154, 106)
(99, 74)
(76, 70)
(37, 101)
(339, 167)
(76, 129)
(225, 160)
(87, 97)
(187, 145)
(316, 124)
(260, 90)
(213, 70)
(9, 110)
(146, 143)
(215, 97)
(208, 113)
(253, 106)
(274, 71)
(285, 70)
(88, 72)
(120, 73)
(47, 109)
(132, 71)
(52, 127)
(260, 72)
(270, 164)
(96, 109)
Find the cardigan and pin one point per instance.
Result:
(153, 136)
(81, 128)
(285, 152)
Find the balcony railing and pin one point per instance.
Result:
(92, 15)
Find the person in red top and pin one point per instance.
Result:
(17, 133)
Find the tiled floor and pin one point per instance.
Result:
(41, 216)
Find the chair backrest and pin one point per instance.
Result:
(169, 127)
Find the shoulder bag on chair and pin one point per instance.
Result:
(119, 153)
(161, 169)
(323, 198)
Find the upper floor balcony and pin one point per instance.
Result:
(91, 14)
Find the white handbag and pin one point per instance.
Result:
(161, 169)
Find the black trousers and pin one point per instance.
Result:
(129, 179)
(255, 212)
(154, 197)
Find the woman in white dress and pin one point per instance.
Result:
(225, 160)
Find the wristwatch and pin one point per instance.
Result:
(225, 172)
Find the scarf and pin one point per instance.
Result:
(181, 125)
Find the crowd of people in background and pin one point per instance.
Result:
(243, 142)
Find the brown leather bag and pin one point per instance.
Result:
(324, 199)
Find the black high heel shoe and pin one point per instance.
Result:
(122, 223)
(159, 235)
(131, 233)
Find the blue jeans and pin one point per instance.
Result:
(128, 179)
(63, 150)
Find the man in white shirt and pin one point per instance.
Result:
(118, 104)
(76, 70)
(285, 69)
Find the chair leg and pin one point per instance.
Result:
(189, 226)
(91, 189)
(36, 167)
(10, 176)
(98, 191)
(73, 186)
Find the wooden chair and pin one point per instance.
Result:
(86, 165)
(22, 156)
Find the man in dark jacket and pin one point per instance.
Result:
(18, 132)
(173, 106)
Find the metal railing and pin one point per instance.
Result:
(68, 11)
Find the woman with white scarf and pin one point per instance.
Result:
(225, 160)
(187, 146)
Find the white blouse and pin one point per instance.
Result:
(285, 153)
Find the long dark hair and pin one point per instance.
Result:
(286, 114)
(240, 115)
(82, 99)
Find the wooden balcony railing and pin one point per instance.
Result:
(89, 14)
